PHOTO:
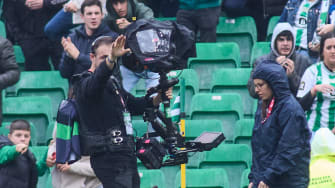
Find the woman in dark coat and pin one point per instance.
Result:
(280, 139)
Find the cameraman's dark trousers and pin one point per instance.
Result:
(116, 170)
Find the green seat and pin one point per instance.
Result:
(245, 179)
(151, 178)
(4, 130)
(43, 181)
(140, 127)
(259, 49)
(241, 30)
(226, 107)
(37, 110)
(191, 86)
(3, 30)
(234, 158)
(234, 81)
(272, 24)
(203, 178)
(41, 83)
(194, 128)
(243, 131)
(19, 57)
(166, 18)
(213, 56)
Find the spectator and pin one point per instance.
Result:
(18, 167)
(316, 91)
(104, 109)
(122, 12)
(310, 19)
(25, 20)
(9, 71)
(280, 138)
(76, 175)
(59, 26)
(202, 16)
(77, 46)
(283, 52)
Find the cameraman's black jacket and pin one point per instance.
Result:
(98, 104)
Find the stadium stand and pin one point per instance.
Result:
(241, 30)
(35, 109)
(2, 30)
(19, 56)
(202, 178)
(234, 81)
(194, 128)
(244, 179)
(151, 178)
(213, 56)
(259, 49)
(45, 180)
(243, 131)
(272, 23)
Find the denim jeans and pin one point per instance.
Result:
(59, 25)
(130, 78)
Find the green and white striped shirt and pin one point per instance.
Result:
(322, 112)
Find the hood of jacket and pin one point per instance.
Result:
(275, 76)
(130, 10)
(280, 27)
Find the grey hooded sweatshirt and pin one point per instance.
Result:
(301, 63)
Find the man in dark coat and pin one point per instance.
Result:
(75, 58)
(25, 21)
(281, 138)
(9, 70)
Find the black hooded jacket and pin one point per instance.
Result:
(20, 172)
(280, 145)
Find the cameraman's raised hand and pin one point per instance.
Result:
(158, 98)
(118, 47)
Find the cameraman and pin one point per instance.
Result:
(104, 108)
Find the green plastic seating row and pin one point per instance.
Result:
(41, 83)
(213, 56)
(241, 30)
(35, 109)
(234, 81)
(272, 24)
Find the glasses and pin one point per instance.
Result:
(260, 86)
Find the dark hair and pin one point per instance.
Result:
(116, 1)
(285, 33)
(322, 42)
(102, 40)
(19, 124)
(88, 3)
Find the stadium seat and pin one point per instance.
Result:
(213, 56)
(37, 110)
(2, 30)
(241, 30)
(272, 24)
(226, 107)
(140, 127)
(4, 130)
(234, 158)
(151, 178)
(41, 83)
(234, 81)
(166, 18)
(19, 57)
(243, 131)
(245, 179)
(191, 86)
(259, 49)
(203, 178)
(43, 181)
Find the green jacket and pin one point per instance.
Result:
(8, 153)
(198, 4)
(135, 11)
